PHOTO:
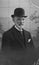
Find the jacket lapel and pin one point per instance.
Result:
(19, 36)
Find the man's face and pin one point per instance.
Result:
(19, 21)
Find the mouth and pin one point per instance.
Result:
(21, 23)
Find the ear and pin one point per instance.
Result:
(13, 19)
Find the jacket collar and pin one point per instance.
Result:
(18, 28)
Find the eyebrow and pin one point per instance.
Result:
(20, 18)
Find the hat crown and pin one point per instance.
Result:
(19, 12)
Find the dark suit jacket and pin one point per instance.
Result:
(14, 39)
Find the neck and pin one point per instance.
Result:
(18, 27)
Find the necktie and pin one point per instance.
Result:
(21, 33)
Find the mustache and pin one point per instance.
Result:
(21, 23)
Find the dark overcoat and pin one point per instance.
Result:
(14, 39)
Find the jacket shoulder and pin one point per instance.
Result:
(8, 32)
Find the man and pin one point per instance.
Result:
(17, 37)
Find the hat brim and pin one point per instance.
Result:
(18, 16)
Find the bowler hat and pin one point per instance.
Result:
(19, 12)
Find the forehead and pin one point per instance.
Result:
(19, 18)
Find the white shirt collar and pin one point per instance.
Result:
(18, 28)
